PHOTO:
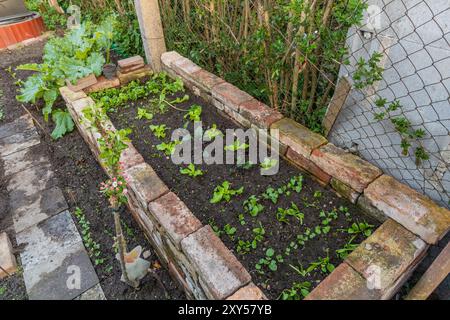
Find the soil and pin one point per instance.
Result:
(197, 192)
(79, 177)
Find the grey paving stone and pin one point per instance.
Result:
(18, 141)
(19, 125)
(29, 182)
(42, 205)
(24, 159)
(55, 263)
(95, 293)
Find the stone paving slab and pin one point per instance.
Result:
(19, 125)
(94, 293)
(24, 159)
(29, 182)
(55, 263)
(37, 208)
(18, 141)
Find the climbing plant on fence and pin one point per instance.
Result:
(286, 53)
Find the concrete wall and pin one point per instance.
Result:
(414, 36)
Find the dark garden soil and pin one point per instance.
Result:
(197, 192)
(79, 176)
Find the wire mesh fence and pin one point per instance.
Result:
(374, 75)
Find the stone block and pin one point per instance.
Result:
(249, 292)
(230, 96)
(297, 137)
(259, 114)
(386, 255)
(345, 166)
(414, 211)
(308, 166)
(219, 271)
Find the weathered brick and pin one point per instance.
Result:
(80, 104)
(131, 69)
(307, 165)
(236, 117)
(82, 83)
(206, 80)
(344, 190)
(388, 253)
(168, 58)
(219, 270)
(130, 157)
(70, 96)
(185, 67)
(134, 75)
(345, 166)
(249, 292)
(297, 137)
(103, 84)
(344, 283)
(259, 114)
(175, 217)
(415, 211)
(130, 62)
(145, 183)
(230, 96)
(370, 210)
(7, 258)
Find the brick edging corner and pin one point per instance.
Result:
(183, 244)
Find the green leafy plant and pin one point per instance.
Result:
(252, 206)
(191, 171)
(322, 264)
(144, 114)
(92, 247)
(229, 230)
(167, 148)
(112, 145)
(347, 249)
(213, 132)
(270, 261)
(159, 130)
(368, 72)
(268, 163)
(404, 127)
(360, 227)
(298, 291)
(292, 211)
(194, 113)
(236, 145)
(271, 194)
(224, 193)
(76, 55)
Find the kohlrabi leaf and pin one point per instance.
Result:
(63, 122)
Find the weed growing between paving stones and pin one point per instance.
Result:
(287, 230)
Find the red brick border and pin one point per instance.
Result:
(185, 247)
(350, 176)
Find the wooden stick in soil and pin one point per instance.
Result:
(121, 245)
(34, 118)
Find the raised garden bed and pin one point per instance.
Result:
(199, 260)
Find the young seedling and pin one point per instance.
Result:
(241, 219)
(292, 211)
(215, 227)
(322, 264)
(297, 292)
(191, 171)
(92, 247)
(213, 132)
(167, 148)
(194, 113)
(236, 145)
(270, 260)
(159, 130)
(296, 184)
(224, 193)
(271, 194)
(361, 227)
(252, 206)
(229, 231)
(144, 114)
(347, 249)
(268, 163)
